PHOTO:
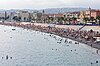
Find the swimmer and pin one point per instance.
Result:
(10, 57)
(96, 61)
(70, 41)
(66, 41)
(2, 57)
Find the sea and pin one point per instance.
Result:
(26, 47)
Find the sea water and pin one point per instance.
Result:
(25, 47)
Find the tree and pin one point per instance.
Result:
(74, 19)
(98, 18)
(86, 19)
(15, 18)
(19, 18)
(92, 19)
(69, 20)
(66, 19)
(30, 18)
(50, 19)
(24, 18)
(60, 20)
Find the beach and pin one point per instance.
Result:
(86, 35)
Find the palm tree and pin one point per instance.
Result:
(98, 18)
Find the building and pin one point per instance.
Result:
(95, 13)
(2, 15)
(54, 15)
(72, 17)
(51, 18)
(25, 16)
(90, 13)
(72, 14)
(45, 18)
(12, 15)
(82, 16)
(37, 17)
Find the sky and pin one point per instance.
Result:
(42, 4)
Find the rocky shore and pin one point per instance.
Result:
(89, 37)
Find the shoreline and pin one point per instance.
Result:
(46, 29)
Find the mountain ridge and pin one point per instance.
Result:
(48, 10)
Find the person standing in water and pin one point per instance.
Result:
(7, 57)
(97, 51)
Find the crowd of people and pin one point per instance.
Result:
(87, 37)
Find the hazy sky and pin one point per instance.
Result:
(39, 4)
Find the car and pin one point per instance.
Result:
(90, 23)
(97, 42)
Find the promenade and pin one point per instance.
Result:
(75, 27)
